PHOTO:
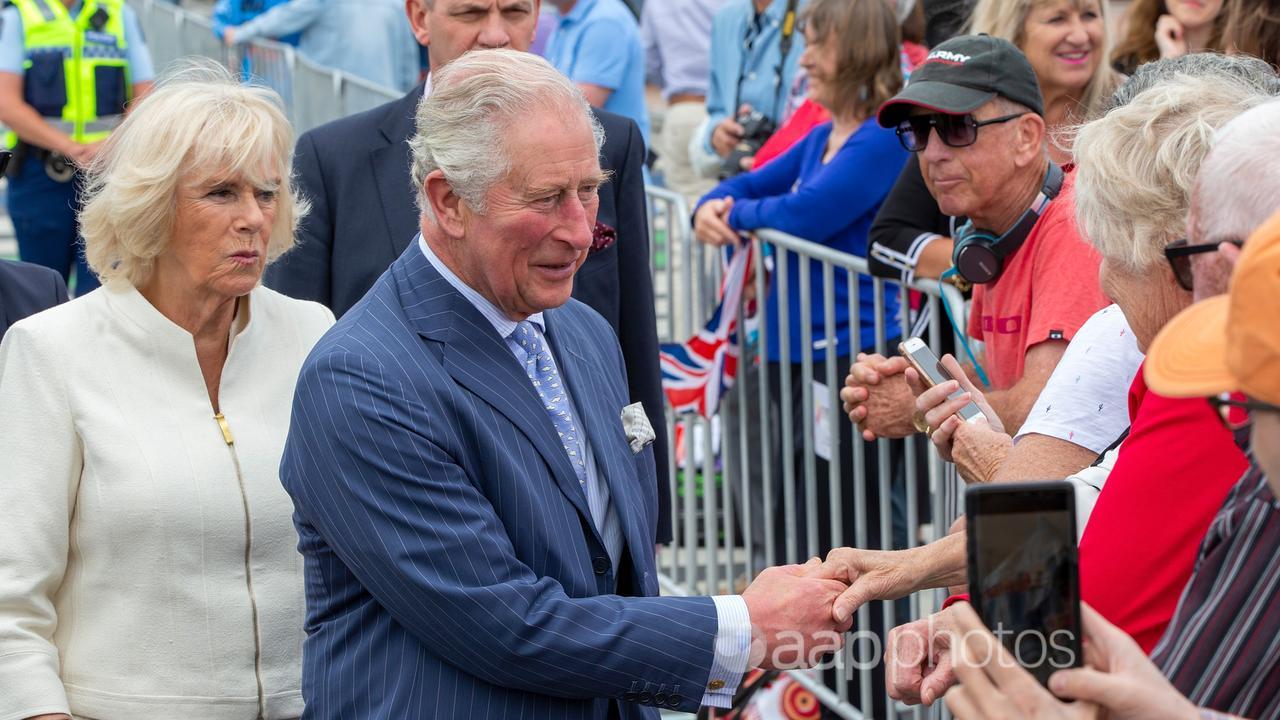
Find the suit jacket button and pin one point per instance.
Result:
(645, 698)
(629, 697)
(601, 565)
(715, 685)
(675, 700)
(660, 698)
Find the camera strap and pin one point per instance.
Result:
(785, 42)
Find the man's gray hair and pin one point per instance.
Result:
(1245, 69)
(1235, 191)
(474, 102)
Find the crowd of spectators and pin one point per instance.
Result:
(195, 530)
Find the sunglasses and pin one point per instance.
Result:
(954, 130)
(1179, 253)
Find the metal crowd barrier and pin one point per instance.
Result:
(713, 551)
(313, 94)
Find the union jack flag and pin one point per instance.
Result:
(696, 373)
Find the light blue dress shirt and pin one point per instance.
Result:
(733, 629)
(12, 54)
(598, 43)
(368, 38)
(748, 48)
(677, 44)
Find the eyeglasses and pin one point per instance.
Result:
(1233, 409)
(954, 130)
(1179, 253)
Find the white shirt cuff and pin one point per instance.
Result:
(732, 650)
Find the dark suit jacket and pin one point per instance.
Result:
(452, 566)
(26, 289)
(355, 172)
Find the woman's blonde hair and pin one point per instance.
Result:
(1008, 19)
(868, 50)
(1136, 165)
(198, 123)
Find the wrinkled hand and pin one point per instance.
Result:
(869, 575)
(711, 223)
(993, 686)
(1119, 677)
(876, 397)
(918, 658)
(1170, 37)
(978, 451)
(939, 404)
(791, 618)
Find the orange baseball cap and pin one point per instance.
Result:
(1230, 342)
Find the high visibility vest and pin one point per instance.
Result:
(75, 75)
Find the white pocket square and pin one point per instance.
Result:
(636, 424)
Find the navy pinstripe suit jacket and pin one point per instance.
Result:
(452, 568)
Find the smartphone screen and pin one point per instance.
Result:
(928, 365)
(1023, 574)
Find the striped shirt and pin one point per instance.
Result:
(1222, 648)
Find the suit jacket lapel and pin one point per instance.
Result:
(602, 424)
(480, 361)
(391, 172)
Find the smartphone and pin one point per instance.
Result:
(1024, 578)
(930, 368)
(4, 160)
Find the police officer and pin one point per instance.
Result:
(68, 68)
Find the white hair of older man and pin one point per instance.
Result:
(1137, 164)
(475, 101)
(1235, 191)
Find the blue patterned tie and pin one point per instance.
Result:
(542, 371)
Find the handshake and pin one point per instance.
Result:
(800, 613)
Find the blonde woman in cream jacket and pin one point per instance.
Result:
(148, 562)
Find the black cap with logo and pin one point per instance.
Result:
(964, 73)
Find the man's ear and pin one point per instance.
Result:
(445, 205)
(1029, 142)
(417, 11)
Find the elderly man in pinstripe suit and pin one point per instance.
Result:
(475, 499)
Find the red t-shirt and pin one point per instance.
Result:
(1170, 479)
(1049, 287)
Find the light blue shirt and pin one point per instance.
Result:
(12, 54)
(677, 44)
(749, 48)
(733, 634)
(598, 43)
(370, 39)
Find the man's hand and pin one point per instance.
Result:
(229, 37)
(82, 153)
(993, 686)
(869, 575)
(918, 659)
(1119, 677)
(711, 223)
(977, 450)
(791, 618)
(876, 397)
(728, 133)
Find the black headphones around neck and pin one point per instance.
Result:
(979, 255)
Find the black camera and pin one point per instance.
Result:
(756, 129)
